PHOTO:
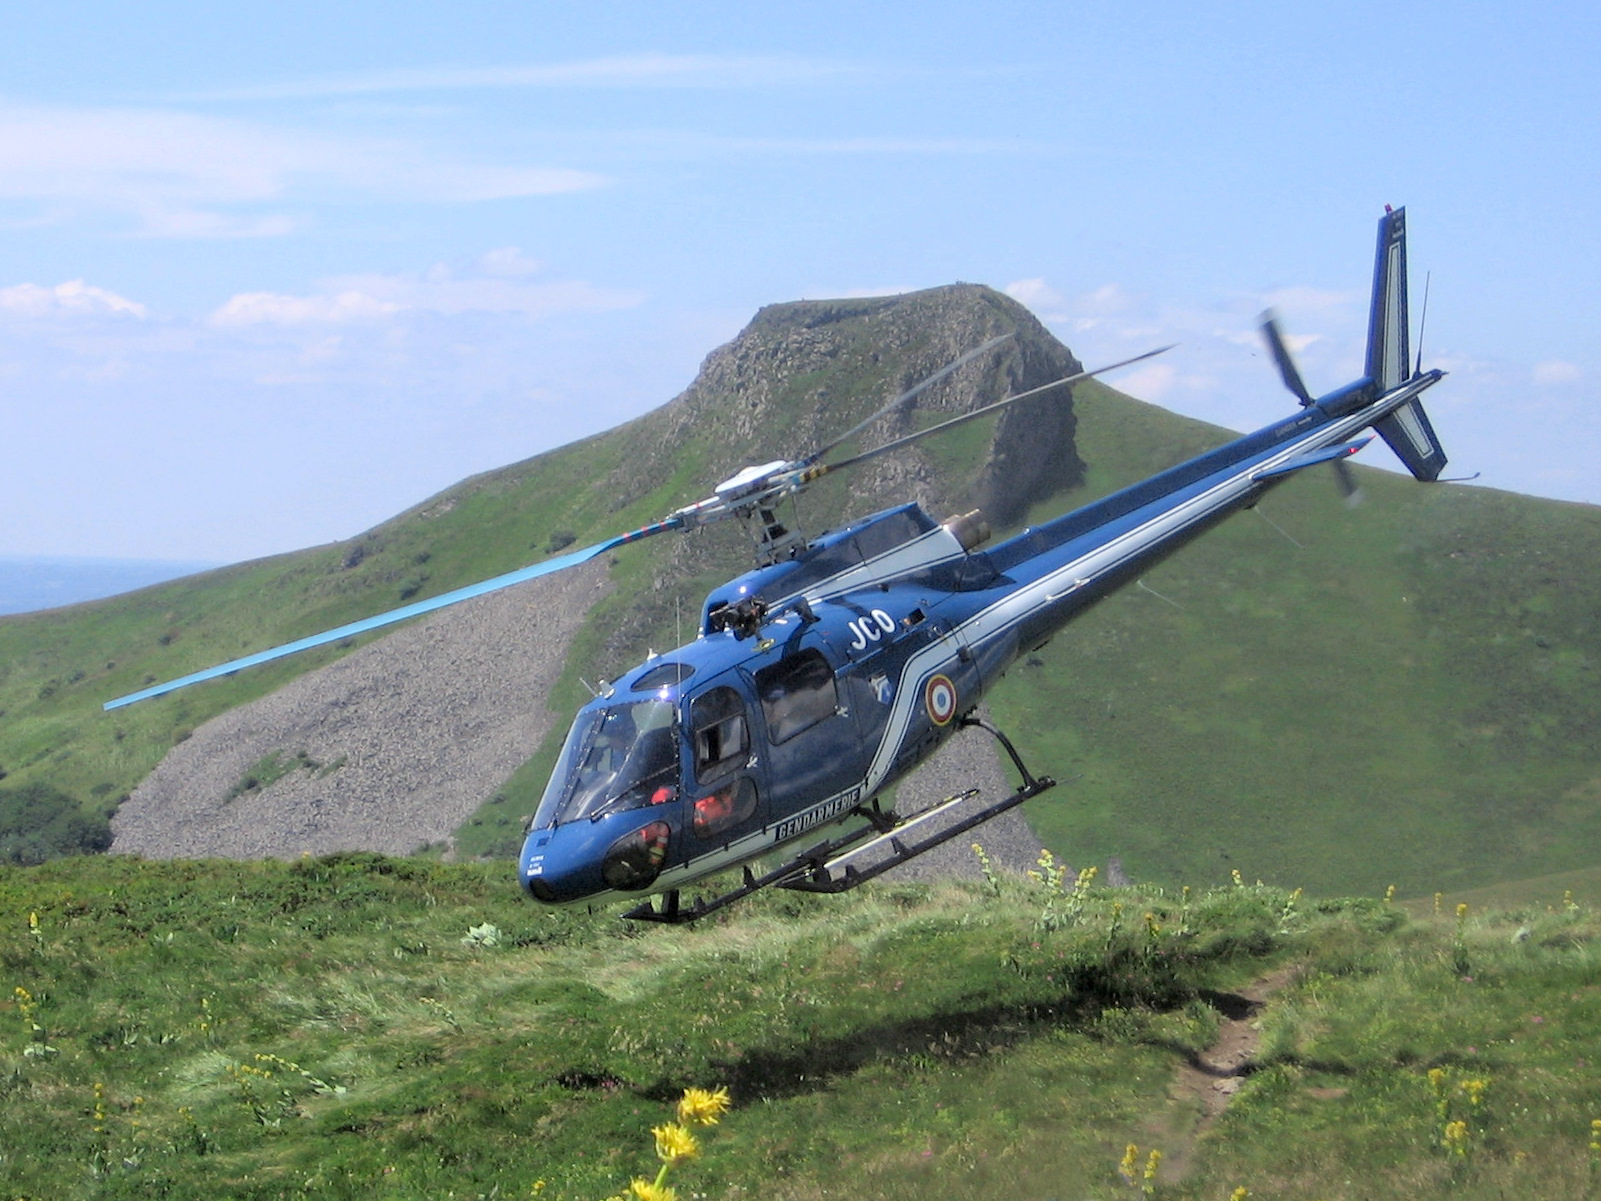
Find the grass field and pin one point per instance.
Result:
(366, 1027)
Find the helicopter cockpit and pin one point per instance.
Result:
(621, 757)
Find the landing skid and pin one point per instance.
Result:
(828, 867)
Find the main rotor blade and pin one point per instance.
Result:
(984, 412)
(1281, 356)
(548, 567)
(904, 397)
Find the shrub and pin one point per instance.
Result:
(38, 822)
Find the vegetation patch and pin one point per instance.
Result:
(38, 823)
(275, 765)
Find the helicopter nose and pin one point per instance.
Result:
(552, 873)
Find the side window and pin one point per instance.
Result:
(720, 732)
(730, 805)
(796, 692)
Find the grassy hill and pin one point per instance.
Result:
(1404, 693)
(357, 1026)
(1408, 692)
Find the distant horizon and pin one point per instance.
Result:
(31, 583)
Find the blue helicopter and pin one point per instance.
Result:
(822, 677)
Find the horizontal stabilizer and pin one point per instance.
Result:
(1313, 457)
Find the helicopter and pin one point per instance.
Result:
(823, 676)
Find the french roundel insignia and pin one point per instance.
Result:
(939, 697)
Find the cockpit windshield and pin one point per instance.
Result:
(624, 757)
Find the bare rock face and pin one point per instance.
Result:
(396, 745)
(785, 377)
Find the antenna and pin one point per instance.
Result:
(1423, 321)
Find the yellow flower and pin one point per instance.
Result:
(1461, 910)
(1240, 1194)
(649, 1190)
(674, 1143)
(1152, 1163)
(1130, 1158)
(1455, 1137)
(700, 1107)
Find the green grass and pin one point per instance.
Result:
(884, 1044)
(1408, 697)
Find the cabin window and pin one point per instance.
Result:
(726, 808)
(664, 675)
(721, 734)
(622, 757)
(796, 693)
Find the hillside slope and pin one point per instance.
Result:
(1407, 692)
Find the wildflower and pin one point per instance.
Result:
(1455, 1137)
(1595, 1134)
(1240, 1194)
(1438, 897)
(650, 1190)
(1461, 910)
(1238, 881)
(1126, 1168)
(699, 1107)
(674, 1143)
(1152, 1163)
(1389, 894)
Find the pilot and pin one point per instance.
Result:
(616, 737)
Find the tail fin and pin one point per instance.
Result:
(1407, 429)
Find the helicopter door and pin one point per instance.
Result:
(813, 750)
(725, 802)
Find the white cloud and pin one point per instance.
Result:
(509, 260)
(498, 284)
(73, 298)
(646, 70)
(185, 175)
(1153, 382)
(1555, 371)
(273, 308)
(1035, 293)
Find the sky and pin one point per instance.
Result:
(270, 274)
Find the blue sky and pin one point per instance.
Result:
(271, 273)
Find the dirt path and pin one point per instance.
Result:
(1204, 1086)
